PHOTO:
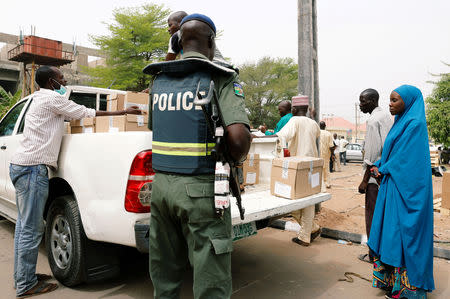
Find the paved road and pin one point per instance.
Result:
(268, 265)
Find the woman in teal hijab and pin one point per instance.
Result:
(401, 235)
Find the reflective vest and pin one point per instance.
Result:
(181, 142)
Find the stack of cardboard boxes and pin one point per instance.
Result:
(291, 177)
(251, 169)
(116, 123)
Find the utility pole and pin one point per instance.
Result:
(356, 122)
(308, 76)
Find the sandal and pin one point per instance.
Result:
(43, 277)
(300, 242)
(41, 287)
(316, 234)
(365, 258)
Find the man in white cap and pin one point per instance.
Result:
(302, 135)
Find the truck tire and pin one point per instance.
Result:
(65, 241)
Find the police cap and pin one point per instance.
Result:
(199, 17)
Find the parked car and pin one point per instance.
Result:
(354, 152)
(100, 194)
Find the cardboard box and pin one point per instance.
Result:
(296, 177)
(67, 127)
(251, 169)
(117, 102)
(85, 125)
(446, 191)
(121, 123)
(111, 102)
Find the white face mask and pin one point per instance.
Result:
(62, 90)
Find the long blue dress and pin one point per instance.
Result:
(402, 227)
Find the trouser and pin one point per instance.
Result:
(31, 183)
(325, 177)
(184, 228)
(338, 162)
(305, 217)
(331, 163)
(371, 199)
(343, 156)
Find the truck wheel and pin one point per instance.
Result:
(65, 241)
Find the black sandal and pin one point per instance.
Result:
(365, 258)
(43, 277)
(300, 242)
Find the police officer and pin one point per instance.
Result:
(183, 225)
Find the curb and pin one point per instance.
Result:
(352, 237)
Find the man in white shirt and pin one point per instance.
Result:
(39, 149)
(326, 148)
(302, 135)
(378, 126)
(337, 161)
(343, 150)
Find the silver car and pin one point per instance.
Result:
(354, 152)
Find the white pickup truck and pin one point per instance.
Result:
(100, 194)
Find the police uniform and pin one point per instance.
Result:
(183, 224)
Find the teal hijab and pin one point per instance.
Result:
(402, 226)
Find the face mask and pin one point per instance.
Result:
(61, 90)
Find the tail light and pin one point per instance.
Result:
(286, 152)
(139, 187)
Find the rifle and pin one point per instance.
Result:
(220, 153)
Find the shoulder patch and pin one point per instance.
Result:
(238, 89)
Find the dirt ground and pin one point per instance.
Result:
(345, 210)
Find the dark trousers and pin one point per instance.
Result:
(331, 165)
(343, 156)
(371, 199)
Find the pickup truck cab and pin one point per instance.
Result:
(101, 192)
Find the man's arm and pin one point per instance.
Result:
(174, 47)
(235, 118)
(238, 140)
(71, 110)
(331, 143)
(373, 143)
(130, 110)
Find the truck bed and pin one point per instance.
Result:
(260, 204)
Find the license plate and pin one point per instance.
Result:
(244, 230)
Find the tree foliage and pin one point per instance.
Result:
(7, 100)
(438, 111)
(138, 36)
(267, 83)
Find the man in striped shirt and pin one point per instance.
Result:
(39, 149)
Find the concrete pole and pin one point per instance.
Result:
(308, 76)
(24, 80)
(32, 76)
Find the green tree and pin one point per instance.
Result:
(138, 36)
(7, 100)
(438, 110)
(267, 83)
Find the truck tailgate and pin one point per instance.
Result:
(260, 204)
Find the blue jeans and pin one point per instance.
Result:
(31, 183)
